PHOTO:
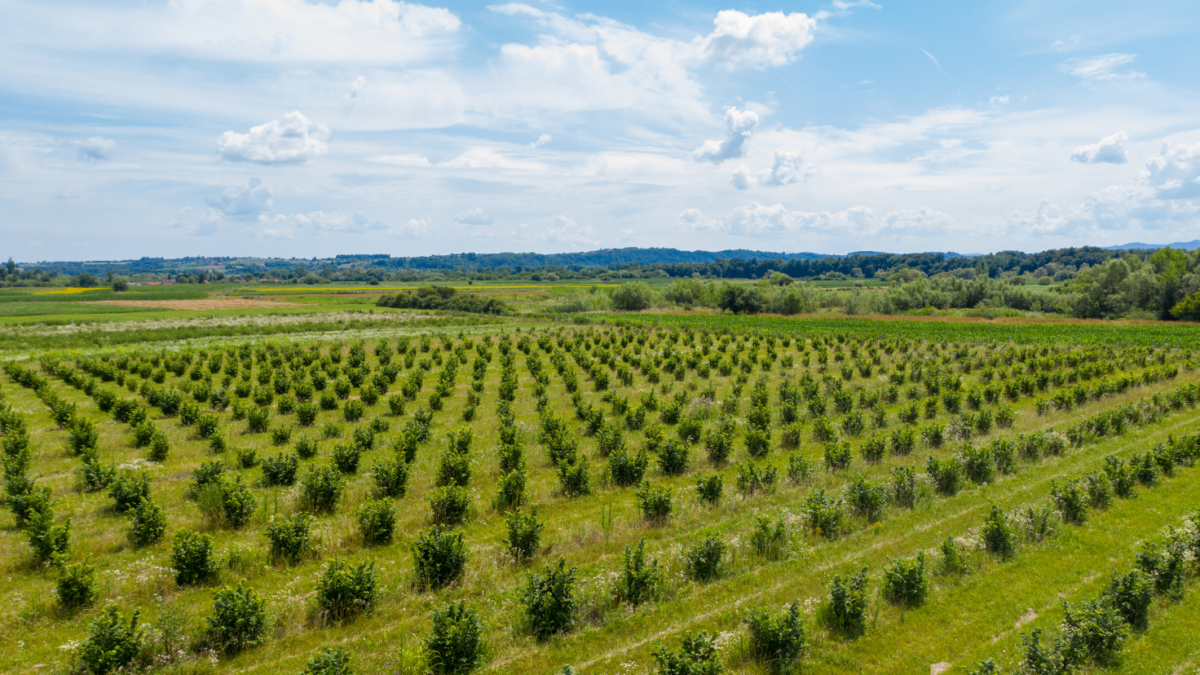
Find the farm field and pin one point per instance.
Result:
(623, 494)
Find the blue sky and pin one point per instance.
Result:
(299, 128)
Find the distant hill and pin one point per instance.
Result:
(1137, 245)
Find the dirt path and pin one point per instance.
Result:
(206, 304)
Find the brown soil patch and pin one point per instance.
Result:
(206, 304)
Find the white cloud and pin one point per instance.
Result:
(757, 219)
(247, 201)
(486, 158)
(200, 224)
(1175, 172)
(694, 220)
(739, 126)
(542, 140)
(922, 222)
(1108, 151)
(97, 149)
(566, 231)
(336, 222)
(475, 216)
(413, 229)
(627, 235)
(295, 140)
(742, 178)
(788, 168)
(1101, 67)
(356, 87)
(741, 41)
(521, 232)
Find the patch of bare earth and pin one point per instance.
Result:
(939, 668)
(203, 305)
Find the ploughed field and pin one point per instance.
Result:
(689, 497)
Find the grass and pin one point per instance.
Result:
(591, 532)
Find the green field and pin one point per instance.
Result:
(840, 445)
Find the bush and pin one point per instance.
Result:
(950, 559)
(376, 521)
(391, 478)
(575, 479)
(149, 524)
(352, 411)
(455, 645)
(704, 560)
(192, 557)
(655, 502)
(904, 487)
(1071, 502)
(824, 514)
(346, 457)
(1164, 564)
(76, 586)
(709, 488)
(237, 502)
(697, 656)
(837, 456)
(999, 537)
(289, 536)
(111, 645)
(346, 590)
(306, 414)
(905, 582)
(47, 540)
(450, 505)
(128, 490)
(281, 435)
(946, 474)
(524, 535)
(1131, 594)
(280, 469)
(758, 441)
(1092, 632)
(247, 458)
(769, 542)
(306, 447)
(510, 492)
(258, 419)
(321, 488)
(866, 499)
(640, 579)
(673, 458)
(329, 661)
(846, 612)
(751, 479)
(439, 557)
(454, 468)
(238, 621)
(626, 468)
(777, 640)
(549, 600)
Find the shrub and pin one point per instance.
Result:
(321, 488)
(329, 661)
(655, 502)
(904, 488)
(328, 400)
(946, 474)
(439, 557)
(454, 468)
(450, 505)
(160, 448)
(1070, 500)
(837, 456)
(709, 488)
(673, 458)
(112, 644)
(777, 640)
(192, 557)
(846, 612)
(999, 537)
(149, 524)
(549, 600)
(352, 411)
(824, 514)
(376, 521)
(239, 619)
(626, 468)
(237, 502)
(83, 436)
(866, 499)
(950, 559)
(346, 590)
(128, 490)
(1092, 632)
(346, 457)
(703, 561)
(1131, 594)
(258, 419)
(769, 542)
(1164, 564)
(524, 535)
(575, 479)
(697, 656)
(306, 414)
(207, 425)
(905, 582)
(280, 469)
(758, 441)
(751, 479)
(306, 447)
(455, 645)
(247, 458)
(76, 585)
(978, 464)
(391, 478)
(281, 435)
(640, 579)
(47, 540)
(510, 492)
(289, 536)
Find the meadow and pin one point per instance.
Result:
(607, 494)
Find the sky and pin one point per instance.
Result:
(298, 128)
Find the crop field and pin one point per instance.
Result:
(624, 494)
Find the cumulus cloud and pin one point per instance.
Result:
(567, 231)
(759, 219)
(1101, 67)
(202, 223)
(739, 125)
(1174, 173)
(336, 222)
(475, 216)
(97, 149)
(1108, 151)
(413, 229)
(787, 168)
(295, 140)
(694, 220)
(924, 221)
(246, 201)
(740, 41)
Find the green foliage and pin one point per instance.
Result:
(128, 490)
(376, 521)
(1092, 632)
(549, 600)
(704, 561)
(47, 540)
(450, 506)
(524, 535)
(905, 581)
(149, 524)
(345, 590)
(112, 644)
(1131, 595)
(846, 612)
(999, 536)
(777, 639)
(280, 469)
(640, 579)
(655, 502)
(289, 536)
(709, 488)
(391, 477)
(697, 655)
(455, 645)
(75, 585)
(329, 661)
(824, 514)
(192, 557)
(238, 620)
(439, 557)
(321, 489)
